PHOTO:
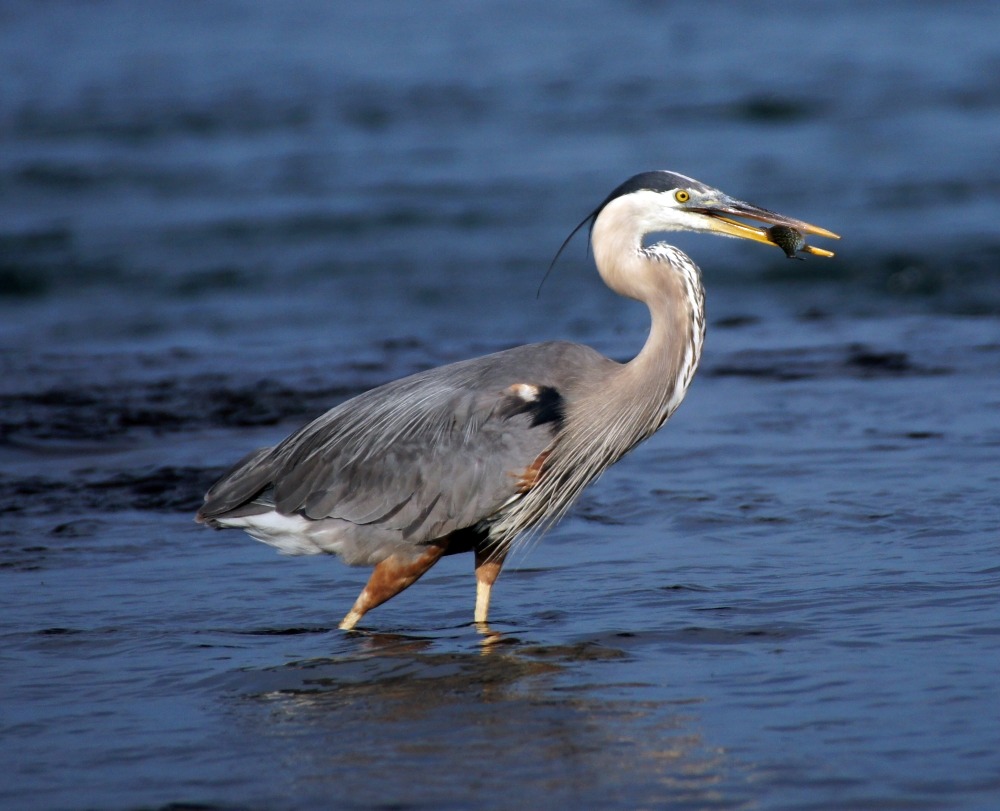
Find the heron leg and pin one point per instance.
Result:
(488, 565)
(390, 577)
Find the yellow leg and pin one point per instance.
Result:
(487, 571)
(389, 578)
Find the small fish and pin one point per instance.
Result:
(788, 239)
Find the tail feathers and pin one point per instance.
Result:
(242, 485)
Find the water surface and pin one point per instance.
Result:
(218, 221)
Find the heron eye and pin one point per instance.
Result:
(681, 196)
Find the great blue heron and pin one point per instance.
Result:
(471, 456)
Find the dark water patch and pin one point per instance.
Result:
(692, 496)
(105, 117)
(702, 635)
(268, 402)
(781, 365)
(377, 107)
(921, 435)
(913, 275)
(48, 239)
(285, 631)
(937, 276)
(870, 362)
(736, 321)
(917, 193)
(59, 631)
(22, 558)
(296, 228)
(595, 514)
(95, 180)
(80, 528)
(170, 489)
(854, 361)
(159, 489)
(105, 413)
(18, 491)
(776, 109)
(587, 651)
(30, 262)
(242, 111)
(198, 282)
(716, 626)
(62, 178)
(813, 313)
(49, 261)
(20, 282)
(36, 276)
(943, 276)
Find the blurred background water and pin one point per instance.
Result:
(217, 220)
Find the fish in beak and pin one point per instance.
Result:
(784, 232)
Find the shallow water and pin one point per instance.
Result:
(215, 224)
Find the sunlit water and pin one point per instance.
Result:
(216, 222)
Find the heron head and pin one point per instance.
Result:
(667, 201)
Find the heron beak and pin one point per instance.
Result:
(720, 220)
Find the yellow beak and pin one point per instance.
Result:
(720, 220)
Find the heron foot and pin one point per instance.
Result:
(348, 622)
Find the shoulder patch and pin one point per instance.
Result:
(544, 403)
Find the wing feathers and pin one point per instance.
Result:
(425, 465)
(423, 456)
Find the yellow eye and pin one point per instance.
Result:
(681, 196)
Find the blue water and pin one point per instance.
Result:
(217, 220)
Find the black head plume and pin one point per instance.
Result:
(658, 181)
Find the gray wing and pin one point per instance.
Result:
(423, 456)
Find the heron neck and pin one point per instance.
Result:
(652, 384)
(616, 406)
(667, 361)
